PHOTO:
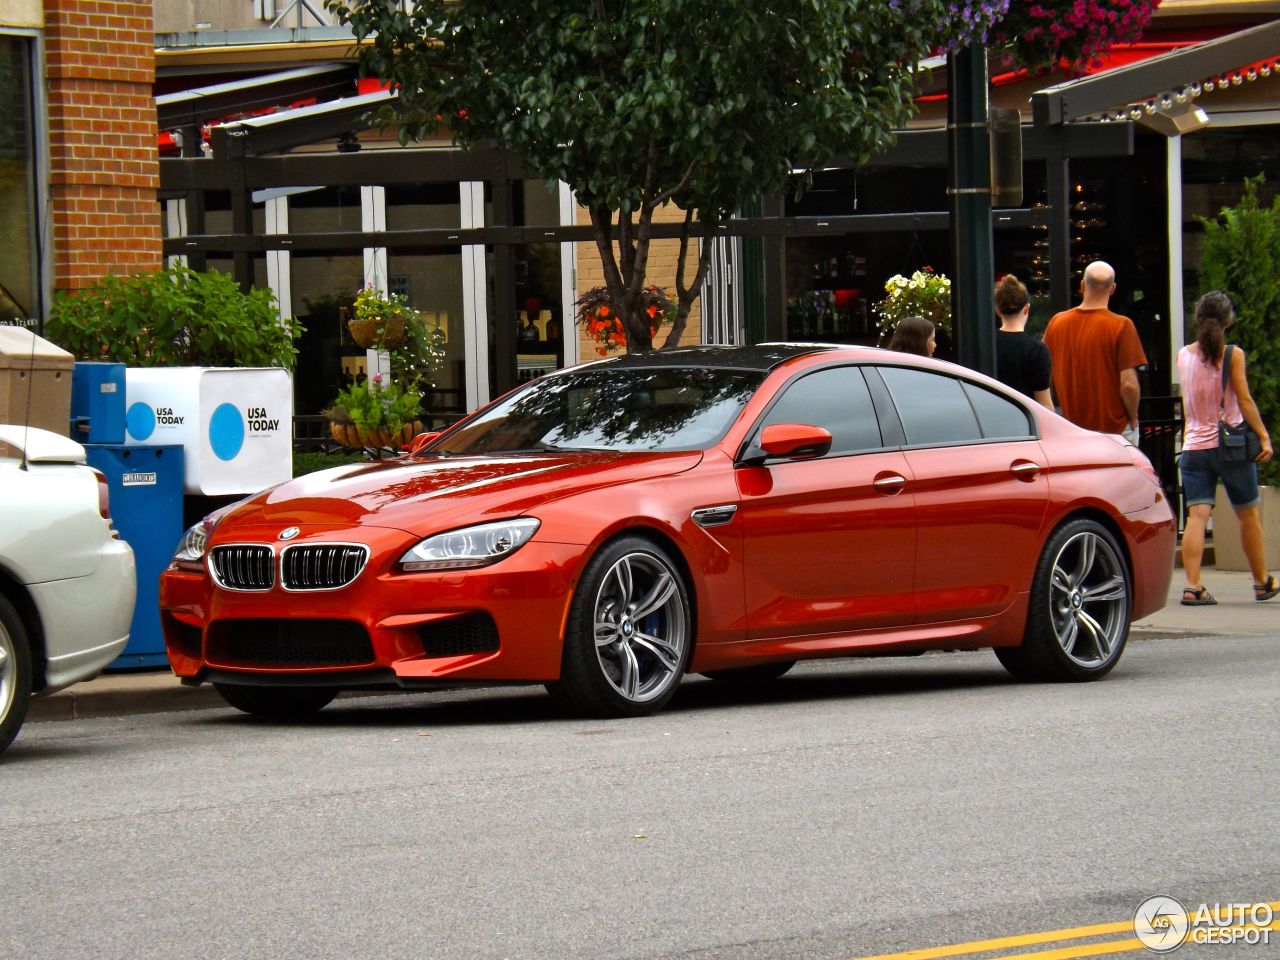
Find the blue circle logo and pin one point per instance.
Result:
(226, 431)
(140, 421)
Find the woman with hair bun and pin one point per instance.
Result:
(1204, 396)
(1022, 361)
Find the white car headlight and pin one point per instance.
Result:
(476, 546)
(191, 547)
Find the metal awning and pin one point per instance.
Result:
(257, 136)
(1147, 79)
(198, 106)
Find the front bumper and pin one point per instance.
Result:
(385, 629)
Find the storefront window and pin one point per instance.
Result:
(540, 314)
(19, 267)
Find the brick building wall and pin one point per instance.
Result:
(104, 167)
(662, 271)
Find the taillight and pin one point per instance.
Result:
(104, 501)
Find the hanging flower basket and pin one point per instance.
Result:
(379, 321)
(1077, 32)
(380, 333)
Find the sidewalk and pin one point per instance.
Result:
(155, 691)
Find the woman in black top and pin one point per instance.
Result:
(1022, 361)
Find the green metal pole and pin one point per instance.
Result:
(969, 199)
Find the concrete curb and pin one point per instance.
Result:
(159, 691)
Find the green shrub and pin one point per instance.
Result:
(1242, 259)
(311, 462)
(175, 317)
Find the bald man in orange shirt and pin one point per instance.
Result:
(1096, 356)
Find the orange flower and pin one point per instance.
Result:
(653, 312)
(602, 312)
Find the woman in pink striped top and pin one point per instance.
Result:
(1200, 370)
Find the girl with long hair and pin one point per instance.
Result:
(1203, 396)
(914, 335)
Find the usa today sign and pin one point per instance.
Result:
(235, 424)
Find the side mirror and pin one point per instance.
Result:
(795, 441)
(422, 440)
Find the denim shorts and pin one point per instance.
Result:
(1201, 471)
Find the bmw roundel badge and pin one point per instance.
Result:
(288, 533)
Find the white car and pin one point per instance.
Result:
(67, 580)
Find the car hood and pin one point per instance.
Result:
(437, 493)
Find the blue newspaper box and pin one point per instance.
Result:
(97, 402)
(145, 485)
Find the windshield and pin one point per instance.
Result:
(663, 409)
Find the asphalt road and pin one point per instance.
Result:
(859, 808)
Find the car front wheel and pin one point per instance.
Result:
(1078, 622)
(629, 634)
(15, 673)
(276, 703)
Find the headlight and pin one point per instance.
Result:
(191, 547)
(476, 546)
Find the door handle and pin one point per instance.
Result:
(891, 483)
(1025, 470)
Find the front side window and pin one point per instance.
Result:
(835, 399)
(605, 408)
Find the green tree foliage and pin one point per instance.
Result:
(175, 317)
(1242, 259)
(638, 103)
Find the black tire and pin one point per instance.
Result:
(276, 703)
(749, 676)
(15, 673)
(634, 590)
(1078, 621)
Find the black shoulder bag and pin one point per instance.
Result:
(1235, 443)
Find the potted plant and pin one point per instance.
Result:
(386, 412)
(374, 414)
(598, 317)
(924, 294)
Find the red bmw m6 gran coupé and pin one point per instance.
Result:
(726, 510)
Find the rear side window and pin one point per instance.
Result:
(1000, 417)
(835, 399)
(933, 408)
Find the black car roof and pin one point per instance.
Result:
(763, 356)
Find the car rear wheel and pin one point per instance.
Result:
(276, 703)
(760, 673)
(629, 634)
(15, 673)
(1080, 601)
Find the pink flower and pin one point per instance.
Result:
(377, 378)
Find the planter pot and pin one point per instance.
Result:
(1227, 552)
(374, 333)
(354, 438)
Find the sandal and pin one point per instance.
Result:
(1265, 591)
(1201, 597)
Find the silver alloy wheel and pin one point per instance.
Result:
(641, 632)
(8, 671)
(1089, 599)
